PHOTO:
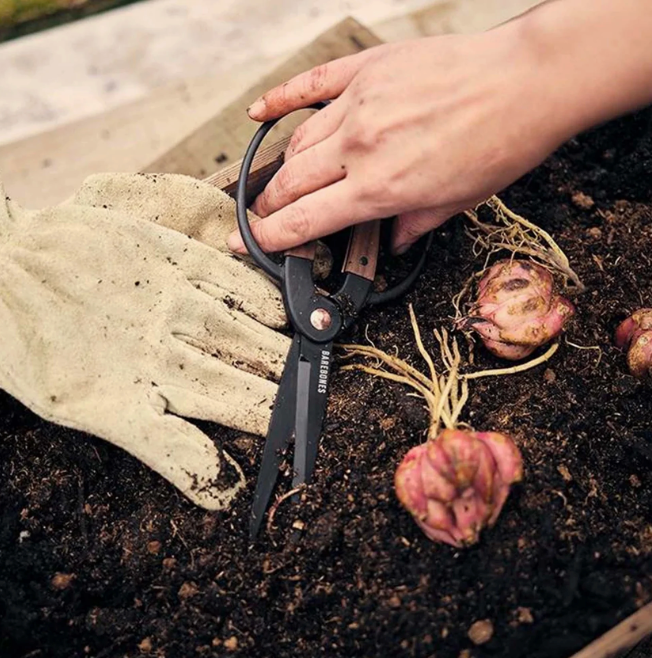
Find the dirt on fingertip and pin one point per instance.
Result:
(100, 557)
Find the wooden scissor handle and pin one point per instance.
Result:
(362, 252)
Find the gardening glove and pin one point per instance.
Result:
(117, 326)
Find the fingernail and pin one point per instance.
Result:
(402, 248)
(256, 108)
(235, 243)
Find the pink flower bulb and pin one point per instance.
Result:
(456, 484)
(635, 335)
(517, 310)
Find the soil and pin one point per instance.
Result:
(101, 557)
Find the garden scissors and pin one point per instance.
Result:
(317, 318)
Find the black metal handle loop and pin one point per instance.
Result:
(401, 288)
(277, 271)
(262, 259)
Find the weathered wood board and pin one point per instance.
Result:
(621, 637)
(222, 139)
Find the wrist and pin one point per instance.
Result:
(590, 60)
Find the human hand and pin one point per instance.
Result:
(421, 129)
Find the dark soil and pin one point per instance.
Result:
(146, 573)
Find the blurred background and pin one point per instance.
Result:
(90, 85)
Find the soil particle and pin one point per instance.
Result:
(481, 631)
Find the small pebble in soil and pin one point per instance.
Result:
(595, 232)
(481, 631)
(244, 442)
(231, 643)
(524, 615)
(145, 645)
(582, 201)
(549, 376)
(62, 581)
(394, 602)
(153, 547)
(564, 472)
(188, 590)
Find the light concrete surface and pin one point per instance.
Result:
(97, 64)
(101, 62)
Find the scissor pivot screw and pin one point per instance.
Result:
(321, 319)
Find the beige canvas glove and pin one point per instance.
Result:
(116, 325)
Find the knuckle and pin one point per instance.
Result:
(411, 228)
(317, 77)
(380, 193)
(262, 234)
(361, 136)
(285, 181)
(296, 224)
(297, 137)
(261, 207)
(415, 224)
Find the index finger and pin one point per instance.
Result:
(313, 216)
(321, 83)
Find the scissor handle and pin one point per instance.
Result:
(362, 253)
(260, 257)
(401, 288)
(360, 246)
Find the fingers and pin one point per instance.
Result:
(324, 82)
(320, 213)
(228, 279)
(306, 172)
(186, 457)
(209, 389)
(316, 128)
(410, 226)
(227, 335)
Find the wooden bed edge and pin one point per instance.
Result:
(623, 636)
(266, 163)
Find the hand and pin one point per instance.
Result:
(120, 327)
(422, 129)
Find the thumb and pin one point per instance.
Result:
(410, 226)
(184, 456)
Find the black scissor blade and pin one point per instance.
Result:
(279, 433)
(313, 374)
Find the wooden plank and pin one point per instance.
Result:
(45, 169)
(623, 636)
(266, 163)
(224, 138)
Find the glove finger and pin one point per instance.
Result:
(201, 211)
(182, 454)
(226, 278)
(200, 386)
(220, 330)
(178, 202)
(246, 409)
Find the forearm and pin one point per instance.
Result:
(593, 56)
